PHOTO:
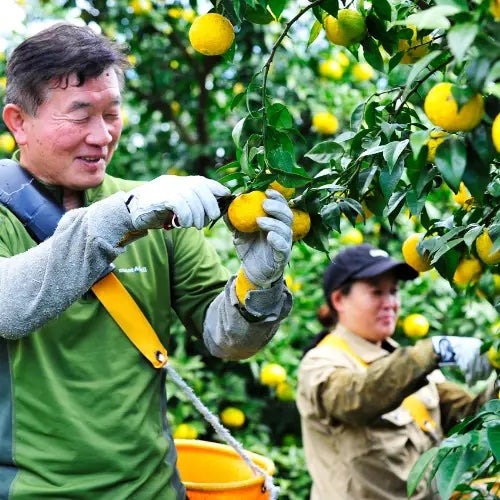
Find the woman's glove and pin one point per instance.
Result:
(465, 353)
(264, 254)
(193, 199)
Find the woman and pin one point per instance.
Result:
(369, 408)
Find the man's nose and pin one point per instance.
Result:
(100, 132)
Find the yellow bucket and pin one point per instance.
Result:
(213, 470)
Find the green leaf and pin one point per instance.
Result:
(237, 130)
(325, 152)
(373, 151)
(432, 18)
(447, 264)
(317, 237)
(493, 434)
(277, 7)
(417, 141)
(279, 159)
(460, 38)
(357, 116)
(258, 15)
(476, 175)
(477, 72)
(331, 6)
(418, 471)
(389, 179)
(383, 9)
(416, 69)
(450, 160)
(395, 204)
(471, 235)
(372, 53)
(316, 29)
(330, 214)
(279, 116)
(392, 152)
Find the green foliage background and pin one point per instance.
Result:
(246, 119)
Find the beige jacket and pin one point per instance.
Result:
(359, 442)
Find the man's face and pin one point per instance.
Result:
(72, 138)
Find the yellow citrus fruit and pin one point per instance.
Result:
(211, 34)
(301, 224)
(414, 48)
(495, 132)
(362, 71)
(411, 255)
(232, 417)
(243, 285)
(238, 88)
(367, 212)
(244, 211)
(175, 107)
(436, 137)
(331, 69)
(285, 392)
(342, 59)
(494, 357)
(272, 374)
(495, 9)
(7, 143)
(347, 28)
(463, 197)
(325, 123)
(3, 82)
(185, 431)
(286, 192)
(415, 326)
(352, 237)
(292, 285)
(468, 271)
(140, 6)
(496, 281)
(483, 248)
(442, 109)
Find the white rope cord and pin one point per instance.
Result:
(222, 431)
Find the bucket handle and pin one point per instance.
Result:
(223, 432)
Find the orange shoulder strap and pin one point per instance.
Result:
(129, 317)
(412, 404)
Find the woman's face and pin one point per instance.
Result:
(371, 308)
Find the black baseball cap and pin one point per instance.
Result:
(360, 262)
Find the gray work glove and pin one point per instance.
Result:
(193, 199)
(264, 254)
(465, 353)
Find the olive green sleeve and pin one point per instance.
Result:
(348, 394)
(456, 402)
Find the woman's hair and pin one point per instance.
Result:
(328, 317)
(47, 59)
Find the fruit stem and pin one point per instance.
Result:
(270, 59)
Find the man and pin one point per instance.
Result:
(82, 412)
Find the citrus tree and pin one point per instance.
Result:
(377, 120)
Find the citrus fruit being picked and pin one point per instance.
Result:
(286, 192)
(7, 142)
(415, 326)
(495, 132)
(211, 34)
(285, 392)
(436, 137)
(411, 255)
(362, 71)
(244, 211)
(414, 49)
(484, 244)
(272, 374)
(347, 28)
(468, 271)
(325, 123)
(185, 431)
(442, 109)
(301, 224)
(243, 285)
(352, 237)
(494, 357)
(331, 69)
(232, 417)
(463, 197)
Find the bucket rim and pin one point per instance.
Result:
(263, 462)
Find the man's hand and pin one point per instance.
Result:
(465, 353)
(264, 254)
(193, 199)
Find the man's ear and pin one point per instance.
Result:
(14, 118)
